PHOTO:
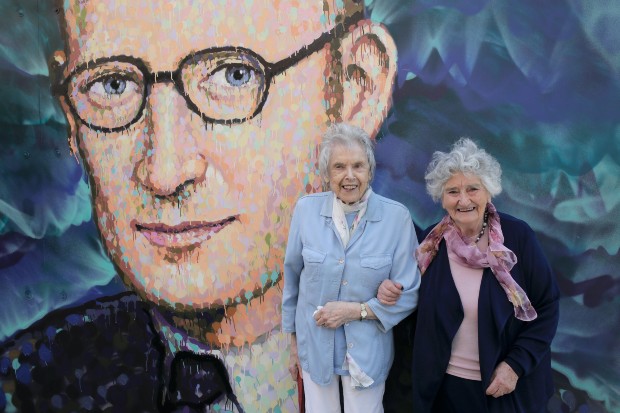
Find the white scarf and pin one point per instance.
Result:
(339, 209)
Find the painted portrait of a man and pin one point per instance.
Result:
(152, 152)
(197, 135)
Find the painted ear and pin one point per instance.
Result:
(369, 63)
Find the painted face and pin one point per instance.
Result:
(465, 199)
(349, 172)
(193, 193)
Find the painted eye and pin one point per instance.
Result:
(114, 86)
(108, 95)
(234, 77)
(225, 86)
(239, 75)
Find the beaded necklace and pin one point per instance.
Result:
(485, 221)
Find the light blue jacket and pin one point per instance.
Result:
(317, 268)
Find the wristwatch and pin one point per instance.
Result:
(363, 313)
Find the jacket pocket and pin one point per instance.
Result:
(313, 259)
(375, 268)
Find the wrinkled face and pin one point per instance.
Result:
(190, 210)
(465, 199)
(349, 172)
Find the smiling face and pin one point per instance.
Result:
(465, 199)
(349, 172)
(194, 212)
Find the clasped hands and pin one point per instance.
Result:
(336, 313)
(332, 315)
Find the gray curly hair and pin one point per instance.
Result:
(346, 135)
(467, 158)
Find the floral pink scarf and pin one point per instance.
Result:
(497, 257)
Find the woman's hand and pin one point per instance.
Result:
(336, 313)
(503, 380)
(389, 292)
(293, 365)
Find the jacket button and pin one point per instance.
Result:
(350, 345)
(345, 282)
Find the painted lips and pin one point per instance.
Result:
(182, 235)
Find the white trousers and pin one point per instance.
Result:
(326, 399)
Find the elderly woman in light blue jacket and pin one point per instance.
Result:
(342, 244)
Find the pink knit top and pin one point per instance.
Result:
(465, 360)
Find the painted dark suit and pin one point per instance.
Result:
(525, 346)
(107, 356)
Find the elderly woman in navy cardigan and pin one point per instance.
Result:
(488, 301)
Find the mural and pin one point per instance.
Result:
(142, 225)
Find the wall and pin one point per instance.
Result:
(535, 83)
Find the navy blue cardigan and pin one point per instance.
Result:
(525, 346)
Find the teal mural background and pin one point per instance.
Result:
(537, 83)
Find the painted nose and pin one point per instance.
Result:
(171, 156)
